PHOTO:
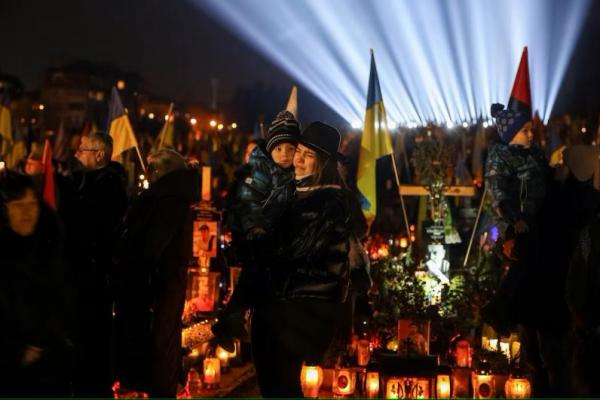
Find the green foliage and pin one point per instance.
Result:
(469, 290)
(400, 294)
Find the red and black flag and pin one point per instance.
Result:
(520, 96)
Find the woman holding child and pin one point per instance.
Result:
(304, 276)
(308, 276)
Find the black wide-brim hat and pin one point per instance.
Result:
(324, 139)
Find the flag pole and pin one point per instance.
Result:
(405, 157)
(401, 198)
(164, 128)
(137, 149)
(475, 226)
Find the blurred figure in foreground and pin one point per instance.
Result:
(34, 343)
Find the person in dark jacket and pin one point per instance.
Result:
(93, 203)
(583, 296)
(571, 203)
(306, 280)
(152, 273)
(516, 174)
(261, 192)
(34, 342)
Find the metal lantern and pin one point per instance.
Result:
(461, 378)
(311, 379)
(372, 385)
(517, 387)
(462, 351)
(484, 384)
(443, 387)
(363, 352)
(344, 381)
(405, 388)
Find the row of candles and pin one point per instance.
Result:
(349, 382)
(344, 379)
(368, 382)
(451, 383)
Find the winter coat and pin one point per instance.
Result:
(583, 279)
(516, 178)
(92, 206)
(152, 273)
(262, 192)
(312, 256)
(569, 207)
(34, 305)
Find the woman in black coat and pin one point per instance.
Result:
(306, 281)
(156, 249)
(34, 345)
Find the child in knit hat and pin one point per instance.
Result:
(262, 190)
(515, 169)
(267, 184)
(516, 173)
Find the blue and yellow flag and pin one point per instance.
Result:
(6, 132)
(119, 127)
(375, 143)
(555, 148)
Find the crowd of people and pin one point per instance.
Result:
(94, 290)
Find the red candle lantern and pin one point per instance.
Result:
(517, 386)
(372, 385)
(442, 383)
(212, 371)
(407, 388)
(461, 351)
(311, 378)
(363, 352)
(344, 381)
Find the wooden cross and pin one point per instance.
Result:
(452, 191)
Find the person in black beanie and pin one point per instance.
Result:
(262, 190)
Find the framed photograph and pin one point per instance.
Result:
(205, 239)
(413, 337)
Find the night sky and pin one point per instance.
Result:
(177, 49)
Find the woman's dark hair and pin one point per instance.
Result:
(13, 186)
(326, 171)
